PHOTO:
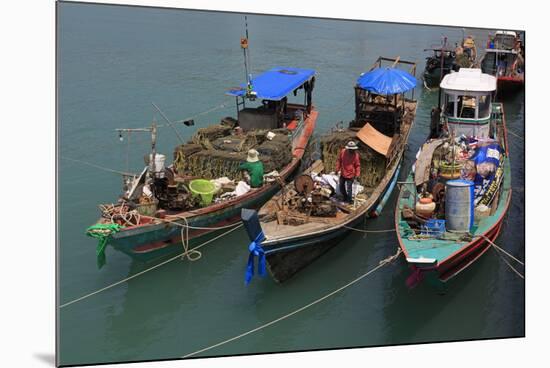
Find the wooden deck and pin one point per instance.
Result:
(275, 232)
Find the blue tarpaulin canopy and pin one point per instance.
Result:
(387, 81)
(276, 83)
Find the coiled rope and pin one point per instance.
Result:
(147, 270)
(193, 254)
(381, 264)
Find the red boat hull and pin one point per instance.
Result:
(463, 258)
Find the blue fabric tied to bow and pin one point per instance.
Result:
(256, 250)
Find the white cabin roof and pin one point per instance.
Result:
(469, 80)
(507, 33)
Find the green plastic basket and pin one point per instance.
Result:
(203, 188)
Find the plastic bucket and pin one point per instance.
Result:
(203, 188)
(159, 164)
(459, 205)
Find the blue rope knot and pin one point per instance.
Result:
(256, 250)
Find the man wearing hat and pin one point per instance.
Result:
(348, 167)
(254, 167)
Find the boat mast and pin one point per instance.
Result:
(153, 130)
(443, 48)
(246, 55)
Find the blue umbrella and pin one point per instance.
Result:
(387, 81)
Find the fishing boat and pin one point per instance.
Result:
(307, 218)
(165, 206)
(452, 205)
(504, 58)
(444, 60)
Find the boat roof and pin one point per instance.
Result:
(386, 81)
(275, 83)
(506, 33)
(469, 79)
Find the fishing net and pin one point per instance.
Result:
(182, 154)
(372, 163)
(275, 154)
(235, 143)
(213, 164)
(214, 153)
(205, 136)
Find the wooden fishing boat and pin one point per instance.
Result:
(504, 58)
(444, 60)
(176, 215)
(297, 225)
(441, 232)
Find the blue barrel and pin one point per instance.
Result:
(459, 205)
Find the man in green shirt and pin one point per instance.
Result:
(255, 169)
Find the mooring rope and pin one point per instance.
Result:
(97, 166)
(185, 241)
(502, 250)
(147, 270)
(369, 231)
(381, 264)
(509, 265)
(426, 86)
(515, 134)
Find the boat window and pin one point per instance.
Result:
(449, 105)
(506, 42)
(466, 107)
(488, 64)
(484, 106)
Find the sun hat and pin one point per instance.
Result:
(252, 156)
(351, 145)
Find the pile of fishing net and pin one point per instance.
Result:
(276, 153)
(372, 163)
(182, 153)
(213, 152)
(205, 136)
(213, 164)
(235, 143)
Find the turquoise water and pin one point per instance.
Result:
(112, 63)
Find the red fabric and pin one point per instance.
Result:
(348, 164)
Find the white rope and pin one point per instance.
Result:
(190, 226)
(426, 86)
(515, 134)
(97, 166)
(380, 265)
(147, 270)
(217, 107)
(509, 265)
(503, 251)
(369, 231)
(193, 254)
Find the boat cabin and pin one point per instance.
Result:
(505, 40)
(466, 102)
(501, 62)
(438, 53)
(271, 89)
(380, 98)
